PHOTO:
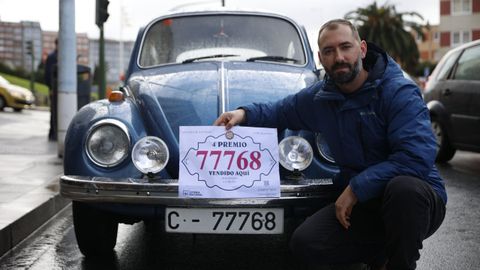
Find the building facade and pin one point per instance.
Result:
(459, 23)
(117, 57)
(14, 39)
(83, 52)
(429, 45)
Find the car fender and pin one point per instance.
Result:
(76, 160)
(438, 111)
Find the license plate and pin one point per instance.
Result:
(224, 220)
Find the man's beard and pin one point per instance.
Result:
(345, 77)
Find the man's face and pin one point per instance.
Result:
(341, 54)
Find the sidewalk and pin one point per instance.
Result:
(29, 175)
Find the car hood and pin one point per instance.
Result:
(18, 89)
(195, 94)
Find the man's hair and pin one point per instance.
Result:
(333, 24)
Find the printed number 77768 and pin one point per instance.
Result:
(252, 160)
(258, 221)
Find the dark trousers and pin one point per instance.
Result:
(389, 229)
(52, 133)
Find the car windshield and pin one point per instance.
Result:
(3, 81)
(229, 37)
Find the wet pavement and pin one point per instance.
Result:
(29, 173)
(455, 246)
(29, 170)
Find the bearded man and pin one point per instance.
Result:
(378, 130)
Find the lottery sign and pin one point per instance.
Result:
(237, 163)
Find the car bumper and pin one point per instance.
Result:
(165, 192)
(20, 104)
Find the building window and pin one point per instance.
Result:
(460, 7)
(418, 38)
(460, 37)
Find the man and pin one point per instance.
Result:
(378, 129)
(50, 81)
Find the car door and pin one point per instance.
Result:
(464, 91)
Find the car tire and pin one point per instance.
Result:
(95, 230)
(17, 110)
(445, 150)
(2, 103)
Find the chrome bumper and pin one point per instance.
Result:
(165, 192)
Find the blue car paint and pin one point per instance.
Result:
(76, 161)
(156, 109)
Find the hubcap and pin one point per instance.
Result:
(437, 130)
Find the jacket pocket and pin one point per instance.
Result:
(373, 136)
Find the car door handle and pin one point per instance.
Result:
(447, 92)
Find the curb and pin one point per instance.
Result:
(15, 232)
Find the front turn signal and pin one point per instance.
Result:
(116, 96)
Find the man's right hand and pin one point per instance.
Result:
(230, 119)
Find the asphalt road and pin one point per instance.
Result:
(456, 245)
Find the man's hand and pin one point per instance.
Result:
(230, 119)
(344, 206)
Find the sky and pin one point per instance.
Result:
(136, 13)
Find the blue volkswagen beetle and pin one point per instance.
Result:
(121, 159)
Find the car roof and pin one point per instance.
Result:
(191, 9)
(466, 45)
(219, 10)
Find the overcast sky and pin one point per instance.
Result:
(311, 13)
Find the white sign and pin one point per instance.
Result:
(238, 163)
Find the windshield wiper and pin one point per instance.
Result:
(272, 58)
(207, 57)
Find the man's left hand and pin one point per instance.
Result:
(344, 206)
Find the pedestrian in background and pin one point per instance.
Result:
(51, 82)
(378, 129)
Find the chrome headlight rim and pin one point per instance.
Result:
(305, 143)
(149, 170)
(94, 127)
(319, 141)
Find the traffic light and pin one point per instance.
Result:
(29, 47)
(101, 12)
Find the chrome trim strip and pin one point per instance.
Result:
(222, 96)
(105, 122)
(165, 192)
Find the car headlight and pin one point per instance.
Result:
(295, 153)
(17, 95)
(150, 155)
(108, 143)
(323, 148)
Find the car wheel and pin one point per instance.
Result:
(2, 103)
(445, 150)
(17, 110)
(95, 230)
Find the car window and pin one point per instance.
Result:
(447, 66)
(468, 67)
(238, 37)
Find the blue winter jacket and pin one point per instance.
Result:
(376, 133)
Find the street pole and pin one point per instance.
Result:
(32, 69)
(101, 65)
(67, 70)
(101, 16)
